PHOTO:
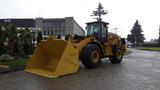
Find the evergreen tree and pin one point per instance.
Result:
(136, 37)
(130, 38)
(99, 12)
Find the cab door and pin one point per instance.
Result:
(104, 32)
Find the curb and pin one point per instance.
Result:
(7, 70)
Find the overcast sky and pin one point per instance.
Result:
(122, 14)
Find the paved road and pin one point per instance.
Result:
(139, 71)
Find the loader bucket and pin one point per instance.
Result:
(54, 58)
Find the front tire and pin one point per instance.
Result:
(91, 56)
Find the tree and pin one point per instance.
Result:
(136, 37)
(2, 40)
(130, 38)
(39, 37)
(99, 12)
(10, 33)
(26, 40)
(15, 41)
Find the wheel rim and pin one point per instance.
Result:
(95, 56)
(119, 54)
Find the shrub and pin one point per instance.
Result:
(5, 58)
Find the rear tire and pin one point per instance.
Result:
(91, 56)
(117, 55)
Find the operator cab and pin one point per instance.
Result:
(99, 29)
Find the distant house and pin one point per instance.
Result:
(150, 42)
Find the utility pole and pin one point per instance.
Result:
(159, 37)
(159, 31)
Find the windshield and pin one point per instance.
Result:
(92, 29)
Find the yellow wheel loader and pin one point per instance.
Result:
(56, 57)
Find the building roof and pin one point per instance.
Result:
(20, 22)
(98, 21)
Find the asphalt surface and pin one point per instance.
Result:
(138, 71)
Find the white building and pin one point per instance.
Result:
(59, 26)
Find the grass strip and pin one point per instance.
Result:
(150, 48)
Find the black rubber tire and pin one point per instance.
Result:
(86, 57)
(114, 59)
